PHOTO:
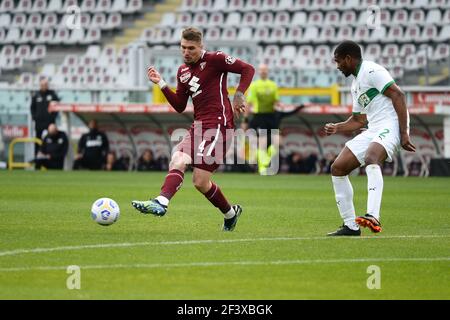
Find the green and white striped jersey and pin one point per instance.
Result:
(367, 92)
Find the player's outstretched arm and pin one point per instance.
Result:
(399, 102)
(355, 122)
(177, 100)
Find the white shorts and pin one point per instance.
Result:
(388, 136)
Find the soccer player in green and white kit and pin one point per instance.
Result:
(378, 101)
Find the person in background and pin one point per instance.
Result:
(112, 164)
(147, 162)
(92, 149)
(39, 109)
(53, 150)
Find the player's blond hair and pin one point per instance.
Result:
(192, 34)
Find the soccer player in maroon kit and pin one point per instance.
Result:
(203, 76)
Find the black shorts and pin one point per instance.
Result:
(265, 121)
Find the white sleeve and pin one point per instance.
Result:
(380, 78)
(356, 107)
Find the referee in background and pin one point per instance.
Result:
(263, 98)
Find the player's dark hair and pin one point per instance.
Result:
(350, 48)
(192, 34)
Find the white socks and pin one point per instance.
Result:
(163, 200)
(230, 214)
(344, 199)
(374, 189)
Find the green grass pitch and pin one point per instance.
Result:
(278, 250)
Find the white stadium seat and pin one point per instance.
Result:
(229, 34)
(38, 53)
(19, 20)
(233, 19)
(318, 5)
(268, 5)
(294, 33)
(24, 6)
(284, 5)
(61, 36)
(88, 6)
(315, 18)
(76, 36)
(235, 5)
(417, 17)
(34, 21)
(250, 19)
(23, 51)
(442, 52)
(407, 49)
(218, 6)
(50, 20)
(331, 18)
(184, 20)
(428, 32)
(372, 51)
(5, 20)
(119, 5)
(310, 34)
(282, 18)
(188, 5)
(168, 19)
(8, 51)
(335, 5)
(203, 5)
(7, 6)
(277, 35)
(92, 36)
(377, 35)
(301, 5)
(444, 34)
(348, 18)
(265, 19)
(54, 6)
(245, 34)
(216, 19)
(400, 17)
(327, 34)
(390, 50)
(212, 34)
(412, 34)
(103, 6)
(98, 21)
(261, 33)
(299, 19)
(200, 19)
(394, 34)
(252, 5)
(345, 32)
(39, 6)
(133, 6)
(114, 21)
(12, 36)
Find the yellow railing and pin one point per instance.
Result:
(332, 92)
(20, 165)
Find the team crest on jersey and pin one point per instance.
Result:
(230, 59)
(202, 66)
(185, 77)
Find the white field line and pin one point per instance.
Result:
(227, 263)
(192, 242)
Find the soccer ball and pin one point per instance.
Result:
(105, 211)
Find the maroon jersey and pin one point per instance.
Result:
(206, 82)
